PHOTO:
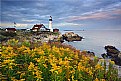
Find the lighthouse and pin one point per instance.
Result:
(50, 24)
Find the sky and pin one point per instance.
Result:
(66, 14)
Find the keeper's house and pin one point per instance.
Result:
(10, 30)
(40, 27)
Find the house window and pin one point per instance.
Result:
(36, 27)
(42, 29)
(43, 26)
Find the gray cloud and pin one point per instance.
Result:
(75, 12)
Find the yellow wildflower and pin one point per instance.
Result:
(27, 50)
(98, 66)
(80, 67)
(38, 75)
(90, 72)
(54, 67)
(72, 77)
(76, 56)
(96, 79)
(60, 61)
(112, 62)
(7, 61)
(45, 65)
(22, 80)
(18, 72)
(22, 74)
(66, 63)
(10, 67)
(9, 48)
(103, 80)
(13, 79)
(41, 52)
(22, 48)
(60, 70)
(31, 66)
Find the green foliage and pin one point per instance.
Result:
(25, 43)
(52, 63)
(8, 34)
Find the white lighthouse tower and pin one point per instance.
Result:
(50, 24)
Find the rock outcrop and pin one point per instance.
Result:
(70, 36)
(91, 53)
(113, 53)
(88, 53)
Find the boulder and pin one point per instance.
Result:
(117, 60)
(113, 53)
(104, 55)
(119, 55)
(91, 53)
(70, 36)
(61, 39)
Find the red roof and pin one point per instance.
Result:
(55, 30)
(37, 27)
(11, 29)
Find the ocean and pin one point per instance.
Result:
(95, 40)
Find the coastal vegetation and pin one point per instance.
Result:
(26, 61)
(6, 35)
(28, 36)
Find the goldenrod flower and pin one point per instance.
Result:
(80, 67)
(60, 70)
(38, 74)
(49, 57)
(54, 67)
(103, 80)
(31, 66)
(60, 61)
(45, 65)
(76, 56)
(22, 74)
(112, 62)
(7, 61)
(90, 72)
(22, 80)
(98, 66)
(96, 79)
(18, 72)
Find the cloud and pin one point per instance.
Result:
(118, 11)
(110, 12)
(18, 25)
(29, 21)
(66, 24)
(96, 16)
(64, 12)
